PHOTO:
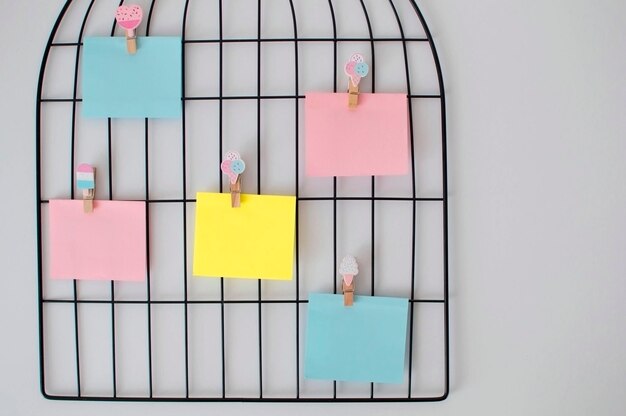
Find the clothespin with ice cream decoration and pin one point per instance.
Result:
(86, 180)
(233, 166)
(348, 269)
(355, 69)
(129, 18)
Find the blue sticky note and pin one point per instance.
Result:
(363, 342)
(120, 85)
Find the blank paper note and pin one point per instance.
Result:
(364, 342)
(254, 241)
(369, 140)
(106, 244)
(120, 85)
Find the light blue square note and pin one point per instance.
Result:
(363, 342)
(120, 85)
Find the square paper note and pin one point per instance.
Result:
(106, 244)
(363, 342)
(253, 241)
(369, 140)
(120, 85)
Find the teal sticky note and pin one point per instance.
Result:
(117, 84)
(363, 342)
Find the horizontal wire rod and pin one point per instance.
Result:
(202, 302)
(270, 40)
(232, 97)
(231, 399)
(302, 198)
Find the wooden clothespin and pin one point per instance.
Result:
(86, 180)
(234, 166)
(348, 269)
(129, 18)
(355, 69)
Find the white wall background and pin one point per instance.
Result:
(536, 93)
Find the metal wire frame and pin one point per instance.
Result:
(296, 97)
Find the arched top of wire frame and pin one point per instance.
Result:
(340, 22)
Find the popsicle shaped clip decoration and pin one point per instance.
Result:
(129, 18)
(86, 180)
(355, 69)
(348, 269)
(233, 166)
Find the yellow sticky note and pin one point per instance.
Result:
(254, 241)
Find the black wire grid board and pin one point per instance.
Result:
(247, 66)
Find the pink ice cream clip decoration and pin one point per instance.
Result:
(129, 18)
(86, 181)
(348, 269)
(355, 69)
(233, 167)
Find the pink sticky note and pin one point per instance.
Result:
(371, 139)
(106, 244)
